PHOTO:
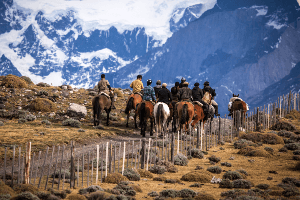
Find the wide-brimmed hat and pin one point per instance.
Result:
(196, 84)
(185, 83)
(164, 85)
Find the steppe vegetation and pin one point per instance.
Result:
(257, 165)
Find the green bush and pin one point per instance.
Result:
(187, 193)
(242, 143)
(72, 123)
(180, 159)
(263, 186)
(215, 169)
(66, 172)
(232, 175)
(27, 79)
(292, 146)
(241, 183)
(225, 183)
(233, 194)
(226, 164)
(196, 185)
(90, 189)
(30, 117)
(158, 169)
(125, 188)
(196, 153)
(285, 133)
(43, 195)
(132, 174)
(153, 194)
(25, 196)
(213, 158)
(169, 193)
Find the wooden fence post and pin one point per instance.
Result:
(27, 165)
(72, 178)
(219, 135)
(43, 167)
(172, 147)
(106, 159)
(148, 152)
(19, 166)
(55, 165)
(123, 158)
(61, 163)
(13, 164)
(53, 148)
(143, 154)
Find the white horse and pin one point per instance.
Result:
(161, 115)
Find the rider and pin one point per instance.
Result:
(149, 94)
(197, 94)
(207, 88)
(232, 99)
(164, 95)
(185, 93)
(137, 85)
(104, 86)
(157, 87)
(174, 91)
(182, 81)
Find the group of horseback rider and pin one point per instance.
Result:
(180, 92)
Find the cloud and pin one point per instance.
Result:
(154, 15)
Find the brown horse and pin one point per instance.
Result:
(145, 111)
(199, 114)
(185, 113)
(101, 102)
(239, 105)
(133, 101)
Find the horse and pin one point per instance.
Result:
(133, 101)
(211, 110)
(145, 111)
(161, 116)
(101, 102)
(239, 105)
(185, 113)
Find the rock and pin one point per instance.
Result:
(65, 93)
(215, 180)
(2, 106)
(64, 87)
(76, 110)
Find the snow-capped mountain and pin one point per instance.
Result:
(240, 47)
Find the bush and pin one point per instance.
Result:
(215, 169)
(144, 173)
(248, 197)
(132, 174)
(30, 117)
(241, 183)
(5, 189)
(269, 149)
(115, 178)
(196, 153)
(291, 191)
(63, 171)
(296, 157)
(119, 93)
(153, 194)
(181, 160)
(22, 121)
(233, 193)
(90, 189)
(225, 183)
(169, 166)
(199, 185)
(43, 195)
(283, 149)
(292, 146)
(41, 84)
(258, 153)
(204, 196)
(242, 143)
(291, 181)
(294, 114)
(172, 181)
(25, 188)
(169, 193)
(285, 133)
(197, 177)
(99, 164)
(232, 175)
(43, 105)
(159, 178)
(42, 92)
(263, 186)
(226, 164)
(125, 188)
(25, 196)
(72, 123)
(267, 138)
(46, 122)
(12, 81)
(187, 193)
(213, 158)
(76, 197)
(27, 79)
(98, 195)
(242, 172)
(282, 125)
(1, 123)
(5, 196)
(158, 169)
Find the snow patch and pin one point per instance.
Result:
(261, 10)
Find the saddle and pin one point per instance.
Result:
(139, 94)
(103, 93)
(197, 102)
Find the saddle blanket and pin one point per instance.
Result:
(103, 93)
(139, 94)
(198, 102)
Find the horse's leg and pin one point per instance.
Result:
(135, 125)
(151, 131)
(127, 119)
(107, 117)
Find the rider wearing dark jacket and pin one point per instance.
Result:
(182, 81)
(164, 95)
(185, 93)
(174, 91)
(207, 88)
(157, 87)
(197, 94)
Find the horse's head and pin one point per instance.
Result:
(235, 95)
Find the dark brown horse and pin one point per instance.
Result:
(133, 101)
(185, 113)
(145, 112)
(101, 102)
(239, 105)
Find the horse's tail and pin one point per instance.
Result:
(159, 116)
(129, 105)
(96, 106)
(185, 115)
(142, 112)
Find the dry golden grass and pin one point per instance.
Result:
(12, 81)
(41, 104)
(5, 189)
(294, 115)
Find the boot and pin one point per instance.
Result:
(216, 111)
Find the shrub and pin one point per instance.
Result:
(169, 193)
(158, 169)
(5, 196)
(248, 197)
(196, 153)
(292, 146)
(242, 172)
(153, 194)
(285, 133)
(98, 195)
(115, 178)
(119, 93)
(41, 104)
(204, 196)
(196, 185)
(22, 121)
(25, 196)
(187, 193)
(72, 123)
(197, 177)
(242, 143)
(232, 175)
(30, 117)
(41, 84)
(198, 167)
(172, 181)
(25, 188)
(296, 157)
(267, 138)
(283, 149)
(269, 149)
(43, 195)
(233, 193)
(169, 166)
(258, 153)
(90, 189)
(215, 169)
(46, 122)
(226, 164)
(42, 92)
(60, 194)
(12, 81)
(214, 159)
(282, 125)
(159, 178)
(63, 171)
(181, 160)
(132, 174)
(263, 186)
(145, 174)
(291, 191)
(241, 183)
(225, 183)
(291, 181)
(294, 114)
(1, 123)
(5, 189)
(27, 79)
(125, 188)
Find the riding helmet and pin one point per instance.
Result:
(149, 81)
(206, 83)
